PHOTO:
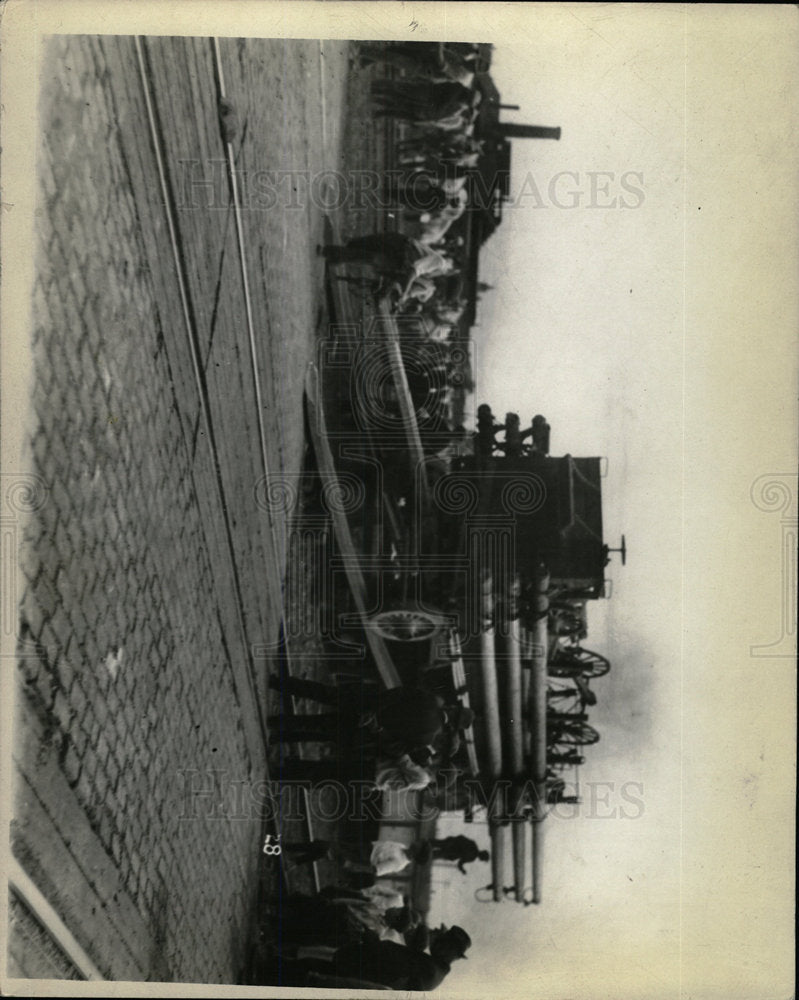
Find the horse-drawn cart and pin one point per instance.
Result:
(477, 555)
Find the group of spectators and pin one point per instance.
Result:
(401, 735)
(418, 270)
(360, 933)
(407, 956)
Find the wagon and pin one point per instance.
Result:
(471, 568)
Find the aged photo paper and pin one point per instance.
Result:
(399, 501)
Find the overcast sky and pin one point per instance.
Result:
(593, 322)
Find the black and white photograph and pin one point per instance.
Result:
(399, 532)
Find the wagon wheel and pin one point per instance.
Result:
(559, 757)
(405, 624)
(574, 734)
(578, 662)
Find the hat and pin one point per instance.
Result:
(459, 938)
(459, 716)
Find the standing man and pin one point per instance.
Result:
(405, 720)
(460, 849)
(394, 965)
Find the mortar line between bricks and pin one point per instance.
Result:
(250, 703)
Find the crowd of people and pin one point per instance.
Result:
(360, 932)
(406, 957)
(419, 270)
(405, 736)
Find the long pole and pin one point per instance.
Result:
(500, 836)
(538, 727)
(488, 668)
(510, 130)
(513, 646)
(493, 732)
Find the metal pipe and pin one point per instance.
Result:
(538, 860)
(499, 849)
(519, 857)
(538, 733)
(514, 696)
(510, 130)
(488, 669)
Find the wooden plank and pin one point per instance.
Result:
(405, 400)
(24, 887)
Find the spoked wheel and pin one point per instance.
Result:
(406, 624)
(559, 757)
(574, 733)
(577, 662)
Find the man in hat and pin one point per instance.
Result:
(447, 743)
(405, 720)
(397, 966)
(461, 849)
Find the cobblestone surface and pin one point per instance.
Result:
(135, 632)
